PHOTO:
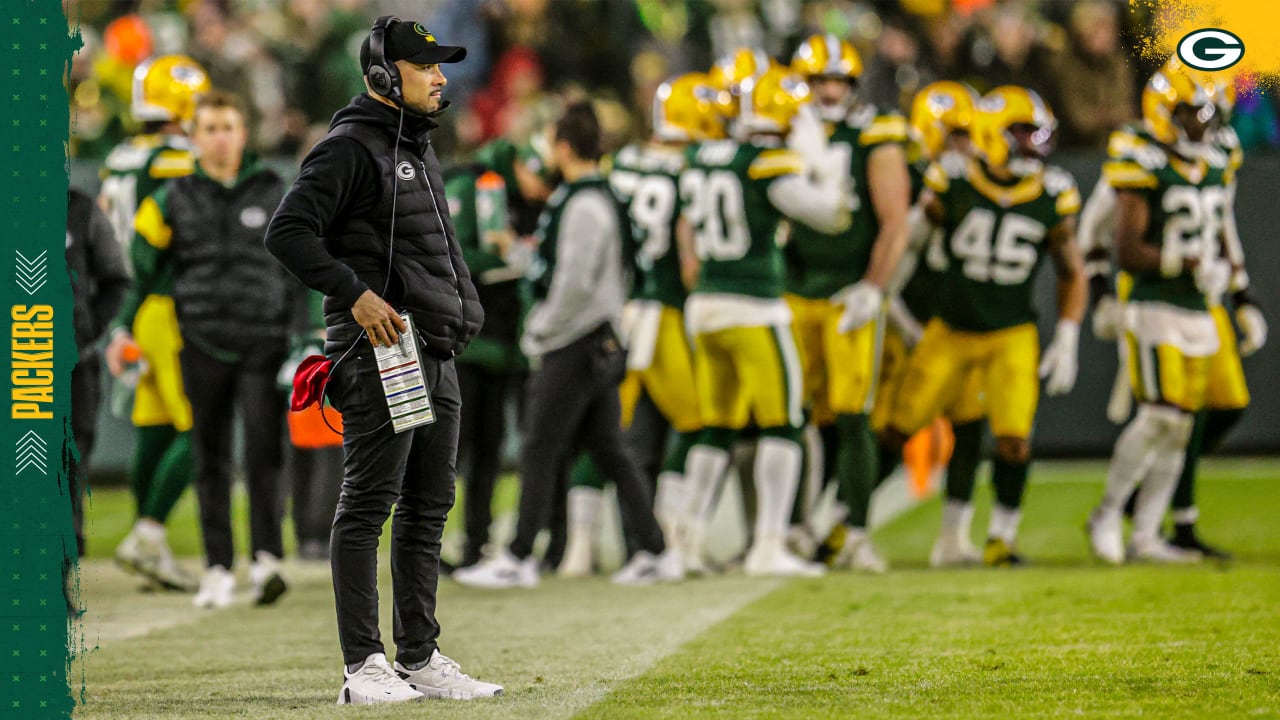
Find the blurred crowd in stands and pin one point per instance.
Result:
(295, 60)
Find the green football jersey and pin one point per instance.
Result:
(921, 291)
(646, 179)
(995, 240)
(137, 168)
(819, 265)
(1186, 201)
(724, 195)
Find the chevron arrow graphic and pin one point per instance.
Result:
(31, 451)
(31, 273)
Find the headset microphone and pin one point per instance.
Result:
(384, 77)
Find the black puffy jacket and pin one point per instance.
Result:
(334, 227)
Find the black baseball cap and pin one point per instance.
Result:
(413, 42)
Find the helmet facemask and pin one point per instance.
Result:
(1029, 146)
(833, 96)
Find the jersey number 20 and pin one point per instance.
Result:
(714, 206)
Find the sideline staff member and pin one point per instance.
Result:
(370, 198)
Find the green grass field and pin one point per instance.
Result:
(1064, 637)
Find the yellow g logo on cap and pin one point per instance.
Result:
(417, 27)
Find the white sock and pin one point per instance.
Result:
(1154, 496)
(703, 470)
(815, 476)
(957, 516)
(1186, 516)
(1162, 475)
(777, 471)
(584, 505)
(669, 502)
(1134, 452)
(1004, 523)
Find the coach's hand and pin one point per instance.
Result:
(1059, 364)
(379, 320)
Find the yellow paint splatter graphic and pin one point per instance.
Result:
(1255, 22)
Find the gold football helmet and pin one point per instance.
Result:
(1170, 88)
(770, 101)
(166, 87)
(685, 109)
(729, 73)
(826, 55)
(938, 110)
(1013, 128)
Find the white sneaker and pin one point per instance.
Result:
(216, 588)
(860, 554)
(1158, 551)
(646, 569)
(265, 579)
(500, 571)
(1106, 536)
(375, 682)
(771, 558)
(801, 542)
(441, 677)
(952, 549)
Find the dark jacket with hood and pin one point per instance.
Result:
(333, 228)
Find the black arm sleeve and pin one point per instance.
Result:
(108, 268)
(338, 178)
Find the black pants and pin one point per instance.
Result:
(86, 393)
(415, 471)
(484, 429)
(572, 404)
(216, 389)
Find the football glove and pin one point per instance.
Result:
(862, 302)
(1253, 328)
(1059, 363)
(1107, 318)
(1213, 276)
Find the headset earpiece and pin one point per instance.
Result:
(384, 77)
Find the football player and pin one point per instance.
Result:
(734, 195)
(1227, 394)
(164, 95)
(835, 282)
(1172, 196)
(940, 123)
(1001, 214)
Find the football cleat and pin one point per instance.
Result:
(770, 557)
(1184, 537)
(831, 545)
(441, 677)
(375, 682)
(953, 549)
(998, 553)
(1156, 550)
(1106, 536)
(860, 554)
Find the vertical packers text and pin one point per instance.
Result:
(31, 351)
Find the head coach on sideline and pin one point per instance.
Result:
(367, 224)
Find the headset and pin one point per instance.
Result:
(384, 77)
